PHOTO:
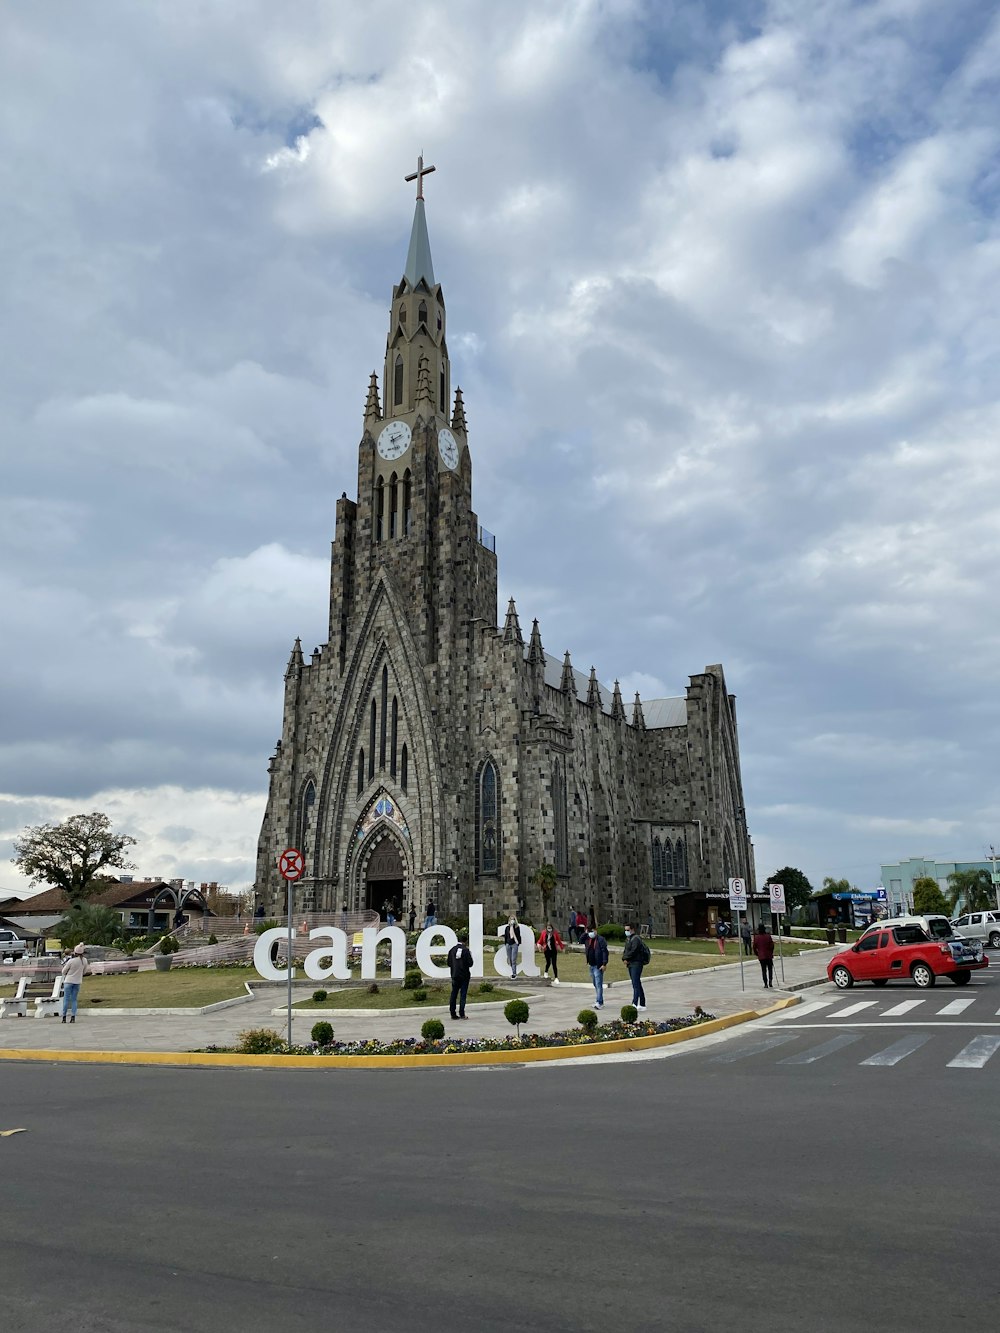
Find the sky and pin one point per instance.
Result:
(721, 285)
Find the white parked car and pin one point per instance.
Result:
(983, 926)
(11, 945)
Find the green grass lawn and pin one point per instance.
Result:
(194, 986)
(394, 997)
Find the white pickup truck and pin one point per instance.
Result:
(983, 926)
(11, 945)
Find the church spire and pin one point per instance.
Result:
(512, 626)
(567, 682)
(593, 690)
(536, 653)
(419, 265)
(373, 408)
(638, 717)
(617, 707)
(458, 416)
(295, 659)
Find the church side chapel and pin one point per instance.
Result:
(431, 752)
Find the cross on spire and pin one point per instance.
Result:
(419, 175)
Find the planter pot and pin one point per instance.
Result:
(163, 961)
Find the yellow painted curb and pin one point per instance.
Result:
(209, 1059)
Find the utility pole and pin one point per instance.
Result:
(992, 858)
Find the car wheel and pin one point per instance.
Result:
(960, 978)
(881, 981)
(841, 978)
(995, 939)
(922, 975)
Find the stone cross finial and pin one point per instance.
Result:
(419, 175)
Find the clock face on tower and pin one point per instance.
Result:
(394, 440)
(448, 449)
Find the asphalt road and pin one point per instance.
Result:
(725, 1186)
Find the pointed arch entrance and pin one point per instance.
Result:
(384, 877)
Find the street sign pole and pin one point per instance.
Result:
(781, 955)
(778, 909)
(291, 866)
(738, 904)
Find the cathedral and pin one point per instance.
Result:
(432, 752)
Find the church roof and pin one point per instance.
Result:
(658, 713)
(418, 258)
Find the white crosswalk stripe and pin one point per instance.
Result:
(897, 1010)
(758, 1048)
(810, 1007)
(855, 1008)
(824, 1049)
(975, 1055)
(899, 1050)
(957, 1006)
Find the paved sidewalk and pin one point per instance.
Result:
(716, 989)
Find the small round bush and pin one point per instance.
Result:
(432, 1030)
(319, 996)
(413, 979)
(213, 939)
(629, 1013)
(260, 1041)
(322, 1033)
(419, 996)
(486, 988)
(587, 1019)
(516, 1012)
(373, 988)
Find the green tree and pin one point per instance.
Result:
(545, 878)
(927, 896)
(798, 890)
(973, 889)
(71, 855)
(836, 885)
(88, 923)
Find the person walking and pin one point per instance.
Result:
(460, 967)
(73, 971)
(746, 937)
(413, 917)
(635, 957)
(596, 953)
(721, 931)
(571, 925)
(429, 918)
(512, 942)
(763, 947)
(551, 944)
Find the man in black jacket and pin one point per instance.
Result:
(596, 950)
(460, 967)
(635, 958)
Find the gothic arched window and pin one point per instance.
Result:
(306, 803)
(392, 743)
(680, 864)
(422, 313)
(379, 509)
(361, 770)
(657, 864)
(560, 819)
(668, 865)
(402, 768)
(487, 820)
(371, 742)
(397, 381)
(443, 403)
(382, 720)
(393, 504)
(407, 499)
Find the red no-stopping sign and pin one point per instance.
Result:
(291, 864)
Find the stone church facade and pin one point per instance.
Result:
(430, 751)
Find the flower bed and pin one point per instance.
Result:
(615, 1031)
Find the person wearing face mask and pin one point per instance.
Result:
(512, 942)
(596, 951)
(550, 943)
(635, 957)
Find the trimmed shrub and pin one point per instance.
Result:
(611, 932)
(322, 1033)
(213, 939)
(629, 1013)
(419, 996)
(432, 1030)
(516, 1012)
(486, 988)
(373, 988)
(319, 996)
(413, 979)
(260, 1041)
(587, 1019)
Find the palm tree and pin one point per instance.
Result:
(545, 877)
(973, 889)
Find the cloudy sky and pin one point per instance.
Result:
(722, 291)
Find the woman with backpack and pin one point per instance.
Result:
(635, 957)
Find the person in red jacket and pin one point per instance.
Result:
(763, 947)
(551, 945)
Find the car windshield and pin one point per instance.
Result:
(940, 928)
(909, 935)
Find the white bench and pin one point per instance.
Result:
(49, 1006)
(17, 1003)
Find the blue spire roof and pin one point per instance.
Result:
(418, 258)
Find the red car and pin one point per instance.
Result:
(904, 951)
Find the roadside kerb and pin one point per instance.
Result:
(208, 1059)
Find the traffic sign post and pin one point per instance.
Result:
(738, 904)
(777, 892)
(291, 867)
